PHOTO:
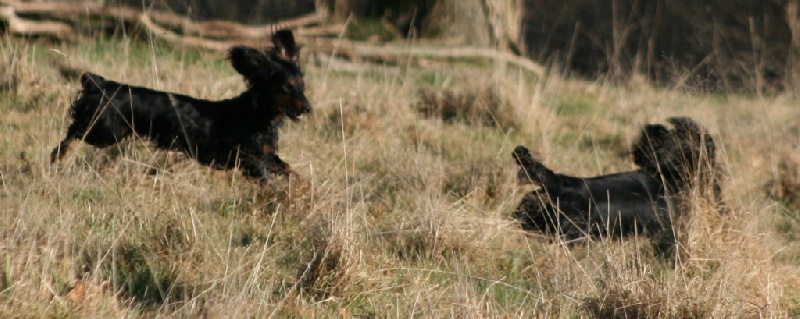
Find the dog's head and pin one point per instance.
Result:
(524, 159)
(679, 154)
(275, 73)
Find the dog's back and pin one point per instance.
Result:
(614, 204)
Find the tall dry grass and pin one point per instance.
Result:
(403, 214)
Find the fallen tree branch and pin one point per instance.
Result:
(359, 50)
(227, 29)
(216, 29)
(221, 35)
(170, 36)
(22, 26)
(330, 62)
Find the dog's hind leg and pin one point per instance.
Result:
(59, 151)
(74, 133)
(101, 131)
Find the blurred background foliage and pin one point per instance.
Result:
(728, 44)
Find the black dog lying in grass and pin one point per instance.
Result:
(645, 201)
(242, 131)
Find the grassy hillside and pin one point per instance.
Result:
(404, 210)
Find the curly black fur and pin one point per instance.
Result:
(240, 131)
(644, 201)
(684, 156)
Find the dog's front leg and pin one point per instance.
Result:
(264, 166)
(256, 167)
(277, 166)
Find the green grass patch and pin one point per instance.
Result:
(572, 105)
(365, 29)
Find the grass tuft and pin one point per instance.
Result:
(471, 106)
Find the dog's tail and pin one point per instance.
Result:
(533, 171)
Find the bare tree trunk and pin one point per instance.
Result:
(322, 7)
(505, 23)
(792, 64)
(342, 9)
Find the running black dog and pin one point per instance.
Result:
(242, 131)
(644, 201)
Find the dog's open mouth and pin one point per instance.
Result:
(297, 114)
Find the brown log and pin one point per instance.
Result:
(217, 29)
(211, 44)
(320, 31)
(22, 26)
(226, 29)
(170, 36)
(208, 34)
(338, 64)
(358, 50)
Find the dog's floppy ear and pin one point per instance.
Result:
(696, 143)
(250, 62)
(649, 146)
(686, 124)
(685, 127)
(285, 45)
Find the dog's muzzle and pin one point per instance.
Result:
(302, 107)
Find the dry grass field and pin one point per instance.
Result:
(405, 210)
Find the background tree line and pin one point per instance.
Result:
(731, 44)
